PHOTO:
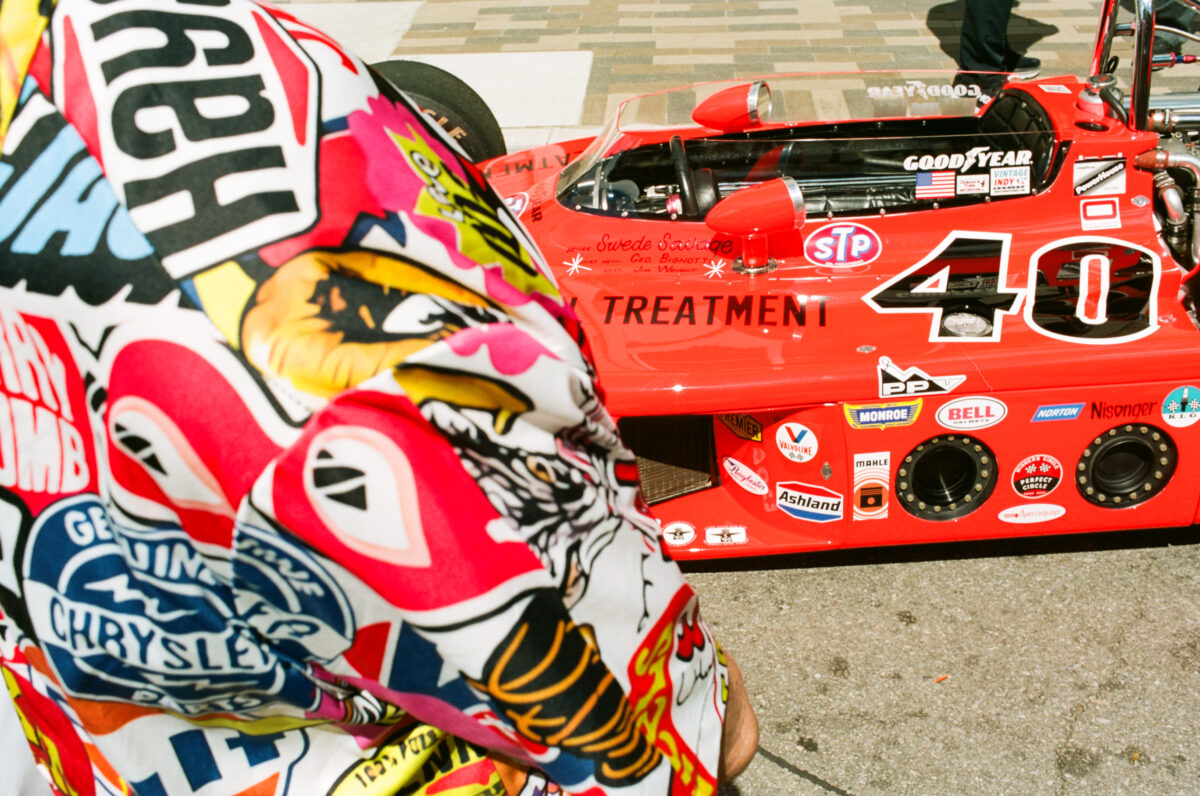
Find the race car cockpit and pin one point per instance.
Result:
(890, 164)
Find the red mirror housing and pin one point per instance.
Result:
(758, 214)
(736, 108)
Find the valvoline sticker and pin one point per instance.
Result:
(843, 243)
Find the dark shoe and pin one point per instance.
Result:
(1023, 67)
(984, 86)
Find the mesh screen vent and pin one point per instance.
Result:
(676, 453)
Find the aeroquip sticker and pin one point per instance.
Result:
(1031, 513)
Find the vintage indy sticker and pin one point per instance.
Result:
(1010, 181)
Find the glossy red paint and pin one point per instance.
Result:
(997, 325)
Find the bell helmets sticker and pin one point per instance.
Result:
(971, 413)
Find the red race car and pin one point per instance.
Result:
(906, 314)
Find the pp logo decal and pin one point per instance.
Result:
(843, 244)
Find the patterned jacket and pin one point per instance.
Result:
(306, 483)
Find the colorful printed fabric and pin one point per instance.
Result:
(305, 481)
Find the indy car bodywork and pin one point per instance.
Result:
(902, 315)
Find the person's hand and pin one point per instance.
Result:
(739, 740)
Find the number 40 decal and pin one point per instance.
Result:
(1091, 290)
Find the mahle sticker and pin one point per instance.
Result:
(871, 473)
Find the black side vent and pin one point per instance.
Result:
(676, 453)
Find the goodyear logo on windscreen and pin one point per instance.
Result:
(890, 415)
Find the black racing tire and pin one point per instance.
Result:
(451, 103)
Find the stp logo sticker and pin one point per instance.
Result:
(971, 413)
(517, 203)
(796, 441)
(843, 243)
(1037, 476)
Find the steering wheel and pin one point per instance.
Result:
(687, 185)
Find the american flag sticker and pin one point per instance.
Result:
(935, 184)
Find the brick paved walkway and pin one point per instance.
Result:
(649, 45)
